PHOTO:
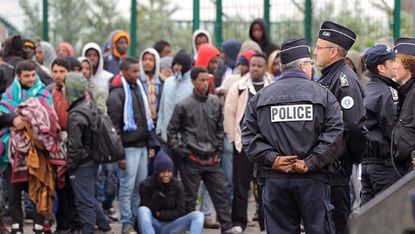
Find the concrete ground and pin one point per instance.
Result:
(252, 228)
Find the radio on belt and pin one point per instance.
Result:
(288, 113)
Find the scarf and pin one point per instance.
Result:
(129, 123)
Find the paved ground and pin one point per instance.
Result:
(253, 227)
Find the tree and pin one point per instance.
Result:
(75, 21)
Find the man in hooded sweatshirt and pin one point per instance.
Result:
(199, 38)
(100, 77)
(208, 57)
(258, 32)
(150, 78)
(227, 66)
(176, 88)
(119, 44)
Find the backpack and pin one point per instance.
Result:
(106, 144)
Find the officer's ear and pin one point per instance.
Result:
(380, 68)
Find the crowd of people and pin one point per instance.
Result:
(219, 123)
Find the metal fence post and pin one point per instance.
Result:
(308, 20)
(397, 20)
(133, 27)
(45, 25)
(218, 23)
(266, 16)
(196, 15)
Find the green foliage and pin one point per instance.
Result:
(75, 21)
(154, 23)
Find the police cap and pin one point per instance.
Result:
(294, 49)
(405, 45)
(337, 34)
(376, 55)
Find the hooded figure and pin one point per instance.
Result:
(204, 56)
(196, 44)
(117, 51)
(97, 95)
(226, 67)
(261, 38)
(64, 50)
(46, 49)
(99, 77)
(175, 89)
(152, 85)
(13, 50)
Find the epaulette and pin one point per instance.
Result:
(343, 80)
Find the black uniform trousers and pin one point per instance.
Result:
(212, 176)
(340, 198)
(243, 170)
(377, 177)
(288, 200)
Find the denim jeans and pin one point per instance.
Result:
(89, 210)
(130, 179)
(192, 222)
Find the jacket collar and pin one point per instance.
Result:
(379, 78)
(294, 73)
(328, 73)
(246, 82)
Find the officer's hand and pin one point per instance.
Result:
(284, 163)
(300, 167)
(121, 164)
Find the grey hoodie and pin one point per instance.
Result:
(101, 77)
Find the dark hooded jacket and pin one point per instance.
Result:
(266, 45)
(226, 67)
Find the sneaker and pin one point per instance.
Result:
(4, 230)
(112, 214)
(210, 223)
(16, 229)
(128, 230)
(234, 230)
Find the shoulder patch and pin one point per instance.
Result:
(347, 102)
(343, 80)
(395, 96)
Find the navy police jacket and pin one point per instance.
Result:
(404, 131)
(342, 81)
(293, 116)
(381, 104)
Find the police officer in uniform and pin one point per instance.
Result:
(381, 104)
(292, 129)
(333, 42)
(403, 135)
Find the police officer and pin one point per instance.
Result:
(403, 135)
(333, 42)
(291, 130)
(381, 104)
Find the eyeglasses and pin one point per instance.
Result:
(311, 62)
(323, 47)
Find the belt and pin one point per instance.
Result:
(204, 163)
